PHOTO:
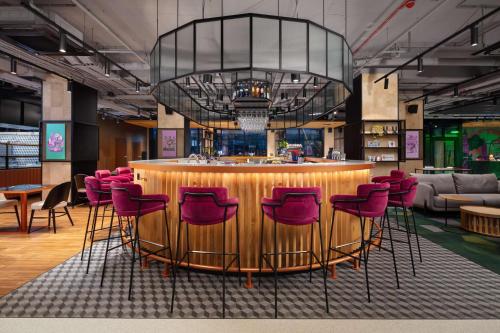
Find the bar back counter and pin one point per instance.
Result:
(250, 182)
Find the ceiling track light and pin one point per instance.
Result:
(386, 83)
(420, 65)
(426, 100)
(107, 68)
(295, 77)
(188, 82)
(69, 87)
(13, 66)
(137, 86)
(474, 35)
(62, 42)
(199, 93)
(315, 82)
(455, 92)
(304, 93)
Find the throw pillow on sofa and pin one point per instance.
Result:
(465, 183)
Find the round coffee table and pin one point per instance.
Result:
(453, 197)
(480, 219)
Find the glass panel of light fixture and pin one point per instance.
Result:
(167, 70)
(334, 56)
(236, 43)
(265, 43)
(317, 50)
(346, 63)
(294, 45)
(208, 54)
(185, 60)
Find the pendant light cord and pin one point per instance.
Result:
(157, 21)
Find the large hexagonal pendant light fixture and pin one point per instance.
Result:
(251, 71)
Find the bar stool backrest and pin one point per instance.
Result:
(122, 194)
(377, 197)
(398, 174)
(299, 205)
(57, 194)
(201, 205)
(123, 170)
(100, 174)
(407, 191)
(94, 189)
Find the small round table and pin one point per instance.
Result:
(480, 219)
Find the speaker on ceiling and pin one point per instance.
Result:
(412, 108)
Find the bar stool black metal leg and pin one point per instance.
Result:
(92, 233)
(275, 267)
(238, 247)
(49, 217)
(261, 244)
(224, 265)
(324, 266)
(135, 244)
(176, 261)
(107, 248)
(188, 253)
(329, 248)
(168, 234)
(382, 226)
(311, 253)
(416, 233)
(397, 218)
(392, 248)
(363, 250)
(407, 226)
(86, 231)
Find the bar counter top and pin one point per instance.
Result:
(228, 165)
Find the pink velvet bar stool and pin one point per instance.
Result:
(370, 202)
(99, 196)
(402, 198)
(130, 203)
(125, 172)
(292, 206)
(204, 206)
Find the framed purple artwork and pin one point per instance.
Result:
(412, 145)
(168, 143)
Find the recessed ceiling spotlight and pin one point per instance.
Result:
(107, 68)
(386, 83)
(137, 86)
(295, 77)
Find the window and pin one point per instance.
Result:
(238, 142)
(311, 140)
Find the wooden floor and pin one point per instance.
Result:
(23, 256)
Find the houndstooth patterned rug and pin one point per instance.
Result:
(447, 286)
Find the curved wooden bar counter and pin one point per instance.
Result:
(250, 182)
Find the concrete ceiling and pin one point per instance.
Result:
(382, 33)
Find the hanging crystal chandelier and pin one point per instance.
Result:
(253, 120)
(264, 71)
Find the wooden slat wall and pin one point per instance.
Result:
(250, 188)
(12, 177)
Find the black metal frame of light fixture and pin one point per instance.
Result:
(162, 84)
(450, 37)
(26, 4)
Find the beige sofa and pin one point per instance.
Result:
(484, 189)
